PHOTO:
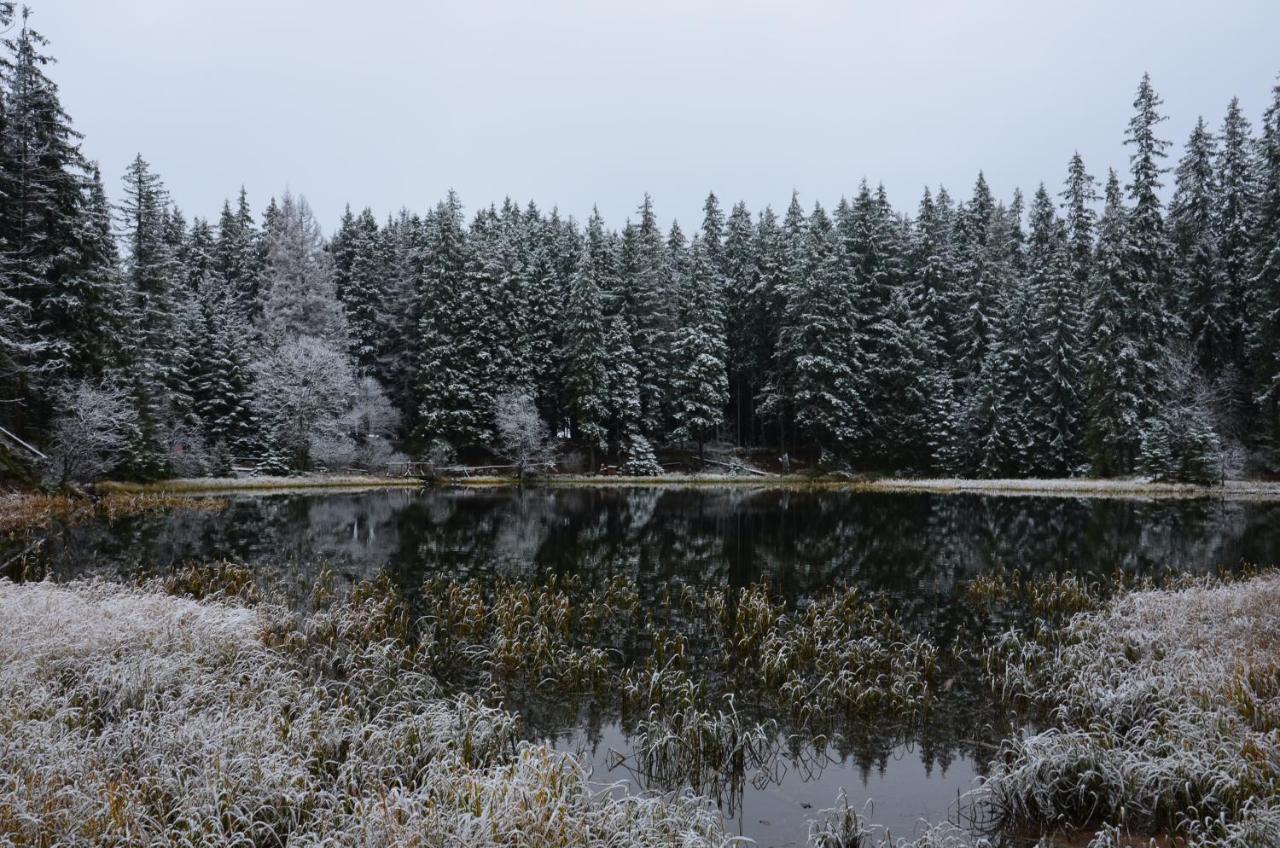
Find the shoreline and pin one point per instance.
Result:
(1081, 487)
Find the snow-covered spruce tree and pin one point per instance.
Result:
(546, 272)
(1198, 275)
(225, 392)
(647, 298)
(86, 310)
(57, 269)
(980, 278)
(819, 346)
(239, 253)
(502, 248)
(889, 328)
(362, 291)
(1264, 281)
(700, 383)
(633, 448)
(151, 279)
(1117, 375)
(1001, 413)
(1079, 195)
(397, 360)
(1237, 202)
(1057, 336)
(740, 275)
(450, 369)
(933, 298)
(1155, 322)
(342, 247)
(782, 253)
(586, 356)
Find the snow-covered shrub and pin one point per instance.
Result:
(638, 457)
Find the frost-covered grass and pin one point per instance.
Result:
(1164, 718)
(129, 716)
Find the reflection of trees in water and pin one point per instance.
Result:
(917, 548)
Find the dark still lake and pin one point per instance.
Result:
(917, 552)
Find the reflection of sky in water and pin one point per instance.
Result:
(916, 548)
(777, 813)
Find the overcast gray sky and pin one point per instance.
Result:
(388, 103)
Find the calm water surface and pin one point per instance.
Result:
(918, 549)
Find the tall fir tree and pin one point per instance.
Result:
(738, 266)
(1154, 323)
(150, 275)
(1264, 281)
(56, 268)
(700, 383)
(587, 353)
(978, 262)
(646, 281)
(448, 371)
(819, 350)
(1196, 264)
(1120, 370)
(239, 253)
(1237, 203)
(1057, 339)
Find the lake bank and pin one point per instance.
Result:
(1076, 487)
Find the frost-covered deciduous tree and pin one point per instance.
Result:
(304, 391)
(371, 423)
(523, 437)
(93, 421)
(298, 295)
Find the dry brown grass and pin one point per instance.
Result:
(36, 512)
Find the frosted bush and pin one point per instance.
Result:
(1165, 715)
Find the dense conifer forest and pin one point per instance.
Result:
(1088, 328)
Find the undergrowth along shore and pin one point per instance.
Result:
(1075, 487)
(128, 714)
